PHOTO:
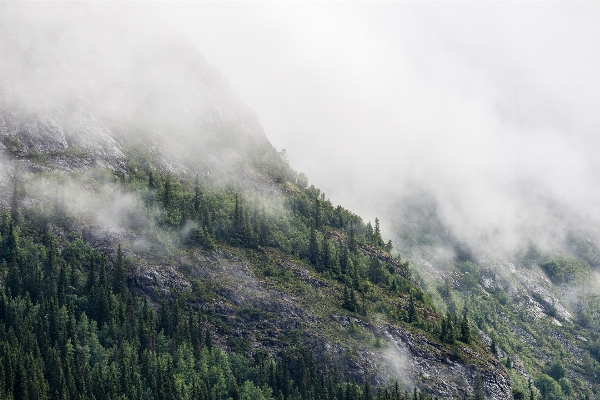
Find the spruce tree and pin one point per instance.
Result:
(351, 239)
(465, 331)
(317, 214)
(313, 246)
(412, 311)
(119, 284)
(14, 199)
(344, 258)
(369, 234)
(167, 195)
(197, 197)
(377, 240)
(325, 256)
(375, 271)
(478, 388)
(530, 387)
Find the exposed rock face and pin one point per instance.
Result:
(31, 134)
(151, 279)
(446, 376)
(93, 92)
(268, 316)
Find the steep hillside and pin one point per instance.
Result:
(539, 308)
(153, 244)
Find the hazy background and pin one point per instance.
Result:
(492, 107)
(487, 109)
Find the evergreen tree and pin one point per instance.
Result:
(369, 234)
(377, 240)
(14, 198)
(313, 246)
(367, 392)
(197, 197)
(119, 284)
(167, 195)
(350, 303)
(412, 311)
(478, 388)
(465, 331)
(351, 239)
(447, 333)
(375, 270)
(317, 214)
(325, 257)
(530, 387)
(344, 261)
(388, 246)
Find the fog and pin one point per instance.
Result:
(485, 109)
(490, 107)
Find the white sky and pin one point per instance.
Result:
(473, 100)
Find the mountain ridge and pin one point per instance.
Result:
(160, 231)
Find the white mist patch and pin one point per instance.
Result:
(397, 362)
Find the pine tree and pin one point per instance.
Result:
(375, 270)
(313, 246)
(351, 238)
(11, 255)
(369, 234)
(150, 193)
(344, 258)
(388, 246)
(447, 334)
(167, 195)
(478, 388)
(367, 392)
(465, 331)
(325, 256)
(412, 311)
(119, 284)
(349, 299)
(317, 214)
(208, 340)
(377, 240)
(197, 197)
(531, 393)
(14, 199)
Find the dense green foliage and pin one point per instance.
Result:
(527, 331)
(72, 326)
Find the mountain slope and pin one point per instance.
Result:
(155, 245)
(538, 306)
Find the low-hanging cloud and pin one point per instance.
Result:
(489, 107)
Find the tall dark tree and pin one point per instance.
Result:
(15, 197)
(478, 388)
(313, 246)
(167, 194)
(412, 311)
(119, 283)
(465, 330)
(375, 270)
(377, 240)
(351, 238)
(10, 248)
(369, 233)
(318, 214)
(197, 197)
